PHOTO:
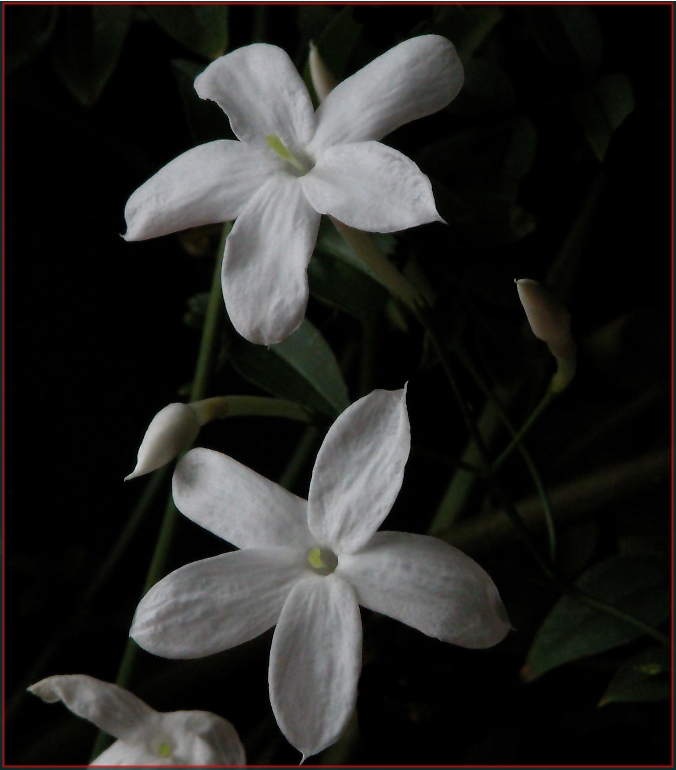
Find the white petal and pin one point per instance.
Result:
(359, 471)
(429, 585)
(416, 78)
(171, 431)
(262, 93)
(372, 187)
(109, 707)
(237, 504)
(121, 753)
(265, 264)
(215, 604)
(208, 184)
(315, 662)
(202, 738)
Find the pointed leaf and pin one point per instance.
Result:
(601, 108)
(87, 47)
(570, 36)
(634, 583)
(643, 678)
(201, 28)
(301, 368)
(345, 287)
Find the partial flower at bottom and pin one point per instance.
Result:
(306, 566)
(144, 736)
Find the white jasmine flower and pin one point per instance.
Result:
(549, 320)
(144, 736)
(292, 164)
(307, 565)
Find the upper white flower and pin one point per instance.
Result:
(293, 164)
(145, 737)
(307, 565)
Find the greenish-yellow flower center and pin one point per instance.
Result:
(284, 153)
(164, 750)
(322, 560)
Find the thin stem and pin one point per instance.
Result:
(367, 364)
(205, 357)
(525, 454)
(379, 266)
(220, 407)
(519, 435)
(300, 455)
(397, 284)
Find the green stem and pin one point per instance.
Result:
(367, 364)
(220, 407)
(379, 265)
(525, 454)
(300, 455)
(397, 284)
(519, 435)
(205, 357)
(463, 484)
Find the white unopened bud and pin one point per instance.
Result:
(171, 431)
(323, 80)
(550, 321)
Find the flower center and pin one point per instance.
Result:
(322, 560)
(164, 750)
(284, 153)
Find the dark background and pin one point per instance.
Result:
(96, 344)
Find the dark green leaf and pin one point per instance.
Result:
(569, 35)
(206, 119)
(344, 286)
(467, 26)
(201, 28)
(643, 678)
(28, 28)
(88, 46)
(601, 108)
(634, 583)
(332, 242)
(301, 368)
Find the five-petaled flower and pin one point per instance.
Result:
(307, 565)
(144, 736)
(293, 164)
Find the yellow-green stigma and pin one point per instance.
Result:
(164, 750)
(280, 148)
(322, 560)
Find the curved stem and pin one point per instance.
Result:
(199, 387)
(525, 454)
(519, 435)
(220, 407)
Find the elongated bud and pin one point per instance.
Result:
(550, 321)
(323, 80)
(171, 431)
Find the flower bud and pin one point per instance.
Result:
(550, 321)
(171, 431)
(323, 79)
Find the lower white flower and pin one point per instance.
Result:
(307, 565)
(145, 737)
